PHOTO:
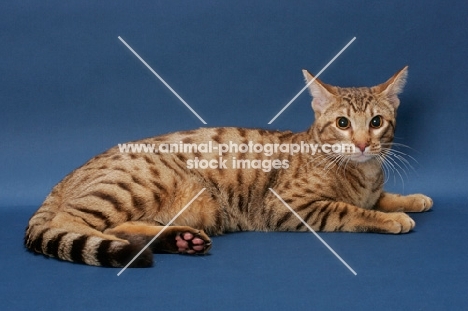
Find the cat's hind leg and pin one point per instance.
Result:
(390, 202)
(174, 239)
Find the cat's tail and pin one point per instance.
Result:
(87, 249)
(87, 246)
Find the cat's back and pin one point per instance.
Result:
(211, 153)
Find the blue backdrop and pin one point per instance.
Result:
(70, 89)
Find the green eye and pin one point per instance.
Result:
(376, 122)
(342, 123)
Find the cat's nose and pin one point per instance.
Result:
(361, 146)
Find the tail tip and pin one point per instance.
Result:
(131, 252)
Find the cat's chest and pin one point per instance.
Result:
(365, 197)
(360, 187)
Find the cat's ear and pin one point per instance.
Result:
(393, 87)
(322, 93)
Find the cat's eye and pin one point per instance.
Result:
(376, 122)
(342, 123)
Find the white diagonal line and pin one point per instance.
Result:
(160, 232)
(315, 233)
(311, 81)
(162, 80)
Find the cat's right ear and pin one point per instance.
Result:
(322, 93)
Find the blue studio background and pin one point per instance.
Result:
(70, 90)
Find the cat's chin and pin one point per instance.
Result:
(360, 158)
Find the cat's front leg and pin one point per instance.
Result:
(324, 215)
(390, 202)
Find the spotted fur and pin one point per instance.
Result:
(105, 212)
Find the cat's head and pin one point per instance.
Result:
(363, 118)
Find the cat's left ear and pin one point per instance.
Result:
(393, 87)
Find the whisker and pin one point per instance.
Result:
(395, 168)
(400, 152)
(398, 165)
(401, 157)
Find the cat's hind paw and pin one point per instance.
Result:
(193, 242)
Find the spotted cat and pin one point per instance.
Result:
(106, 211)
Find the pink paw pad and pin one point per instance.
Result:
(188, 243)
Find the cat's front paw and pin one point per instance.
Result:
(418, 202)
(399, 223)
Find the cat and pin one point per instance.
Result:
(106, 211)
